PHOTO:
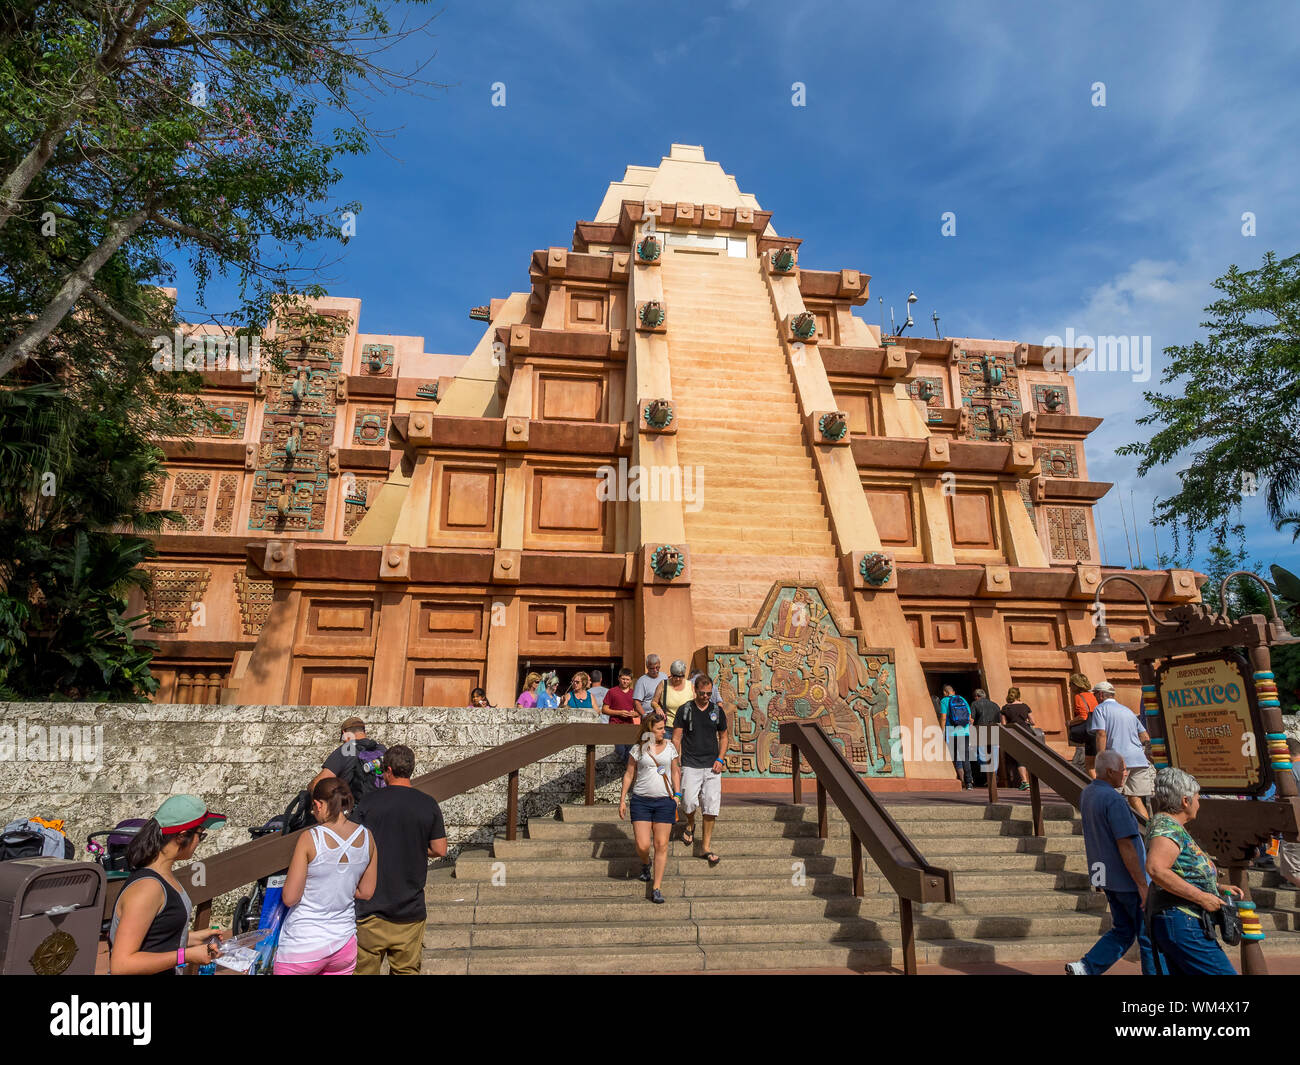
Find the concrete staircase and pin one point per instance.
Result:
(565, 899)
(763, 517)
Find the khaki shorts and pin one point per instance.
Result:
(1140, 782)
(701, 788)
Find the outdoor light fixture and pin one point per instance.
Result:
(1102, 643)
(1277, 630)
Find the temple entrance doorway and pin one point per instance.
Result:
(964, 681)
(566, 669)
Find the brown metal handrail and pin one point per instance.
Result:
(239, 866)
(1043, 763)
(909, 874)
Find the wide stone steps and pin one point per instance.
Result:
(565, 898)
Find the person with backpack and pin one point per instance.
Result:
(357, 761)
(150, 930)
(954, 719)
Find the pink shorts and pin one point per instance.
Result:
(341, 963)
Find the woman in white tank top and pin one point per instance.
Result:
(333, 864)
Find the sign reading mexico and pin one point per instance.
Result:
(1209, 724)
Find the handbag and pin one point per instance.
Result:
(1229, 922)
(1078, 733)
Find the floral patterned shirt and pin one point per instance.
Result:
(1192, 863)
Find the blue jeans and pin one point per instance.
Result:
(1186, 950)
(1126, 925)
(959, 746)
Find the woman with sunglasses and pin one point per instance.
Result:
(650, 766)
(149, 934)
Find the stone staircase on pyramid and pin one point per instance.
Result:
(565, 899)
(763, 516)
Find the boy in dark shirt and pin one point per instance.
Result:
(700, 733)
(408, 830)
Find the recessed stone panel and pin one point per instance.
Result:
(564, 502)
(469, 495)
(971, 513)
(442, 686)
(333, 686)
(948, 632)
(570, 399)
(891, 507)
(1037, 633)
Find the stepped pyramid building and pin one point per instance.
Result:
(679, 439)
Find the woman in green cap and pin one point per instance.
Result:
(150, 931)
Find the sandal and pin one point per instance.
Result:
(688, 836)
(712, 859)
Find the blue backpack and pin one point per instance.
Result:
(958, 711)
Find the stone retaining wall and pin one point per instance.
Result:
(249, 761)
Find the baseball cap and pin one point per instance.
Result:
(183, 813)
(1104, 686)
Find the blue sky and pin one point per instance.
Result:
(1107, 220)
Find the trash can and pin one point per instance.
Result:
(50, 912)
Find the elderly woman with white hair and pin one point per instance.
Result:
(1187, 890)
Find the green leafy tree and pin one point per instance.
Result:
(204, 127)
(77, 462)
(1236, 420)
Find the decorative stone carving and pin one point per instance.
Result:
(370, 428)
(1051, 400)
(292, 475)
(190, 498)
(233, 415)
(649, 250)
(1067, 532)
(989, 389)
(223, 517)
(783, 260)
(667, 562)
(481, 314)
(172, 593)
(377, 360)
(254, 598)
(876, 568)
(797, 663)
(1057, 460)
(652, 315)
(658, 414)
(803, 326)
(929, 390)
(834, 425)
(357, 501)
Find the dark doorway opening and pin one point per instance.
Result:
(565, 669)
(964, 681)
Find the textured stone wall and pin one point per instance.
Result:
(249, 761)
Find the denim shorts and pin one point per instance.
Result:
(659, 811)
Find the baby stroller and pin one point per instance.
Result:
(296, 815)
(109, 849)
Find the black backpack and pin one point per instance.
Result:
(366, 772)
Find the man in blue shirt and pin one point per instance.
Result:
(1117, 728)
(1116, 864)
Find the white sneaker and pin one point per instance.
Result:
(1075, 968)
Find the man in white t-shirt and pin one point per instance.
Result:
(1118, 729)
